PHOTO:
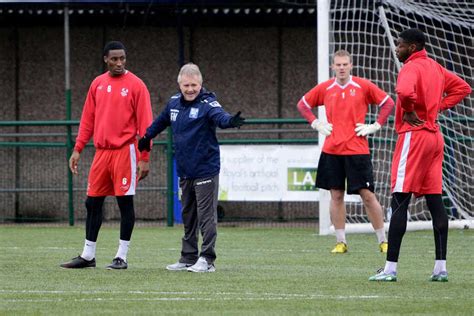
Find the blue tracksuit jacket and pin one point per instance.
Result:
(194, 133)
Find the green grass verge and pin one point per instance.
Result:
(260, 271)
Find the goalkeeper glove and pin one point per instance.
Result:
(366, 129)
(144, 144)
(322, 127)
(236, 120)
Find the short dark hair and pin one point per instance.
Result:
(113, 45)
(413, 36)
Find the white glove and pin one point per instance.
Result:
(366, 129)
(322, 127)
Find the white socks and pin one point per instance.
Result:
(440, 266)
(123, 249)
(390, 267)
(341, 235)
(381, 235)
(89, 250)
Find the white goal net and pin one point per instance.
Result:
(368, 29)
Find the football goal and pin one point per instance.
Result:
(368, 29)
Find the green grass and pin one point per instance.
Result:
(260, 271)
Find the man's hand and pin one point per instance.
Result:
(322, 127)
(236, 120)
(366, 129)
(144, 144)
(73, 162)
(412, 119)
(143, 169)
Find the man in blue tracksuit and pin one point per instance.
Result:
(193, 116)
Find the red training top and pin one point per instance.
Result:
(426, 87)
(345, 106)
(117, 108)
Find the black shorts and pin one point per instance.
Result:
(334, 169)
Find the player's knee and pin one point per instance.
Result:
(399, 227)
(367, 196)
(441, 225)
(94, 203)
(126, 207)
(337, 196)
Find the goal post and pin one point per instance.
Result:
(367, 29)
(323, 75)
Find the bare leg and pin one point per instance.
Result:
(337, 209)
(373, 208)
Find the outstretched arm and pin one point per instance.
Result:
(221, 118)
(237, 120)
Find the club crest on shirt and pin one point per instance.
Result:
(124, 92)
(109, 88)
(352, 92)
(194, 113)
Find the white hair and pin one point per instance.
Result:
(190, 69)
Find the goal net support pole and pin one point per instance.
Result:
(323, 75)
(368, 30)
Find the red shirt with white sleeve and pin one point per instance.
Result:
(345, 107)
(117, 108)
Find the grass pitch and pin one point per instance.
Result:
(260, 271)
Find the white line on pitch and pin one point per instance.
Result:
(189, 296)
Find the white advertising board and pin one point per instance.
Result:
(270, 173)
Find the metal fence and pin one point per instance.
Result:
(36, 184)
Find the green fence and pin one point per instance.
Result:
(38, 185)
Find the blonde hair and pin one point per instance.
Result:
(342, 53)
(190, 69)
